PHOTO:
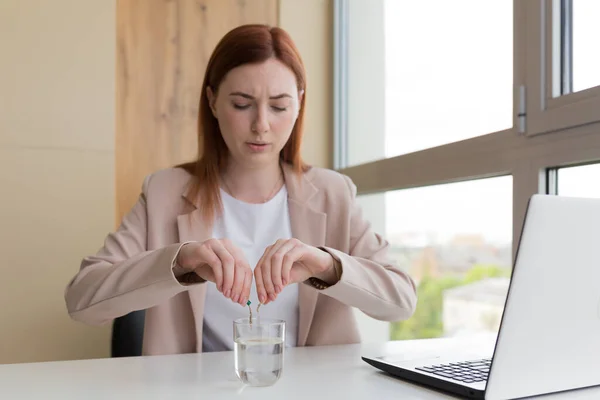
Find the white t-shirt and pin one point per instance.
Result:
(252, 228)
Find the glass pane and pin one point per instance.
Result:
(426, 73)
(445, 83)
(586, 31)
(455, 240)
(579, 181)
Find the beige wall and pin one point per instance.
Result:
(56, 168)
(57, 116)
(310, 23)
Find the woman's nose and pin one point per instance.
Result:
(261, 122)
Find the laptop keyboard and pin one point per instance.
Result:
(468, 371)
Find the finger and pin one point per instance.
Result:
(238, 282)
(294, 254)
(208, 256)
(277, 262)
(246, 287)
(227, 263)
(266, 272)
(240, 267)
(260, 288)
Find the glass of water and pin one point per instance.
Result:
(259, 349)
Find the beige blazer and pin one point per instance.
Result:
(134, 269)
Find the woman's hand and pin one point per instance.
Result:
(290, 261)
(221, 262)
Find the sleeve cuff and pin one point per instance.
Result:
(337, 265)
(184, 276)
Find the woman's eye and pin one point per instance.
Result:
(241, 106)
(279, 109)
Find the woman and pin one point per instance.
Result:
(248, 220)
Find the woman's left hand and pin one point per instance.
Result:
(289, 261)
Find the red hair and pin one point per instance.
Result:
(246, 44)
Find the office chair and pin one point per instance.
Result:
(128, 334)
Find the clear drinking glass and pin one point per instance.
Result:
(259, 350)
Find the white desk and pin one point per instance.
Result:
(335, 372)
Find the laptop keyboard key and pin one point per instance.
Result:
(467, 371)
(444, 374)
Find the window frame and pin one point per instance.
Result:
(521, 151)
(340, 81)
(546, 113)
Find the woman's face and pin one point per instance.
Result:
(256, 106)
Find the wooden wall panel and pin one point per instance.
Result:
(163, 47)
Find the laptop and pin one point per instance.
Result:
(549, 335)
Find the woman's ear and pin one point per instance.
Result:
(212, 98)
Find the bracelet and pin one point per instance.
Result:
(321, 284)
(318, 283)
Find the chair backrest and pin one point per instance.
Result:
(128, 334)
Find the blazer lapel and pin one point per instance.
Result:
(309, 226)
(191, 227)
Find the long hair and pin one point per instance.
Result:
(246, 44)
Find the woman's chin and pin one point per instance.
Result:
(258, 160)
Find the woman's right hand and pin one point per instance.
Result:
(221, 262)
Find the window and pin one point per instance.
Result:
(437, 102)
(576, 34)
(430, 97)
(580, 181)
(458, 251)
(586, 62)
(414, 88)
(561, 79)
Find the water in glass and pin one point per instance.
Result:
(259, 361)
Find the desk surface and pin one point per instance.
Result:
(329, 372)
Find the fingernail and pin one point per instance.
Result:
(220, 288)
(284, 282)
(261, 298)
(278, 289)
(272, 297)
(227, 293)
(236, 298)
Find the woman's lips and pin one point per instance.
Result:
(258, 147)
